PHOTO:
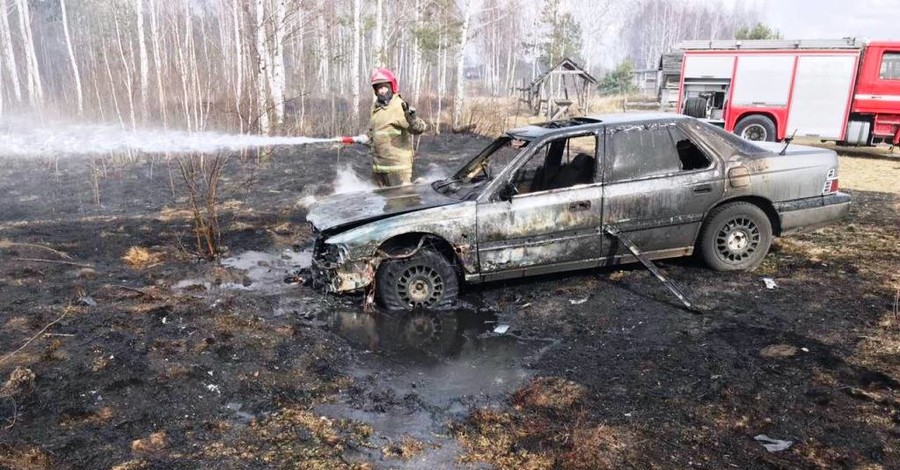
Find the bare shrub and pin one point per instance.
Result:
(202, 175)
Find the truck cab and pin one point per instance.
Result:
(845, 90)
(875, 112)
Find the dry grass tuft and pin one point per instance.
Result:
(406, 449)
(132, 465)
(548, 427)
(549, 392)
(139, 258)
(153, 443)
(30, 458)
(19, 385)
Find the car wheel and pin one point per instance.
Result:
(426, 279)
(756, 127)
(695, 107)
(735, 237)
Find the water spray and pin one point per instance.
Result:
(23, 139)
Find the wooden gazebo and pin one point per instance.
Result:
(554, 92)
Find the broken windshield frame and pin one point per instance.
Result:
(467, 183)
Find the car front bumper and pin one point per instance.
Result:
(335, 272)
(811, 213)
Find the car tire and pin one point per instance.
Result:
(695, 107)
(756, 127)
(735, 237)
(424, 280)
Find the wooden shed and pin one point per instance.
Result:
(555, 91)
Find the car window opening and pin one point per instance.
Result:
(691, 156)
(560, 163)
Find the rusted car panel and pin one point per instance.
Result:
(540, 198)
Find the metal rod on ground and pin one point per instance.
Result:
(614, 232)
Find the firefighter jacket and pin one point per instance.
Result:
(389, 135)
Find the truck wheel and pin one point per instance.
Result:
(426, 279)
(756, 127)
(695, 107)
(735, 237)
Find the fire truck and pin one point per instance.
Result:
(846, 90)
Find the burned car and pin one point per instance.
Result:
(552, 197)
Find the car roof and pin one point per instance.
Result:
(555, 127)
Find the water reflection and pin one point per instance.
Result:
(430, 332)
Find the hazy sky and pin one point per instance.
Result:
(830, 19)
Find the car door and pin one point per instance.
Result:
(659, 183)
(550, 225)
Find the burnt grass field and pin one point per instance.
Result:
(120, 349)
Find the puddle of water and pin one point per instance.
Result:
(428, 368)
(266, 271)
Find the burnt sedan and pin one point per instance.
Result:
(546, 198)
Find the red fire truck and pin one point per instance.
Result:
(844, 90)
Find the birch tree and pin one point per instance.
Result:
(35, 89)
(277, 62)
(144, 62)
(262, 101)
(155, 37)
(7, 53)
(378, 40)
(354, 68)
(72, 61)
(459, 97)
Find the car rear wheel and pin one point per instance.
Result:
(426, 279)
(735, 237)
(756, 127)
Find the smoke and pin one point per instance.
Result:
(347, 181)
(24, 139)
(435, 172)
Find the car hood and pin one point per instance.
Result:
(342, 210)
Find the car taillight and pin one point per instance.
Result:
(831, 182)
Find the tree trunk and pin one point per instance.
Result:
(142, 50)
(7, 53)
(354, 68)
(128, 77)
(378, 41)
(261, 73)
(35, 90)
(277, 75)
(239, 61)
(71, 50)
(157, 60)
(460, 65)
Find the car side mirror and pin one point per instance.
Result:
(507, 192)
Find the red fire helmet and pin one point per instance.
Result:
(383, 75)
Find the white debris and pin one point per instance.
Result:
(578, 301)
(501, 329)
(213, 388)
(770, 283)
(773, 445)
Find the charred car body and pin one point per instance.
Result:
(540, 198)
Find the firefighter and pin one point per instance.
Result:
(389, 132)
